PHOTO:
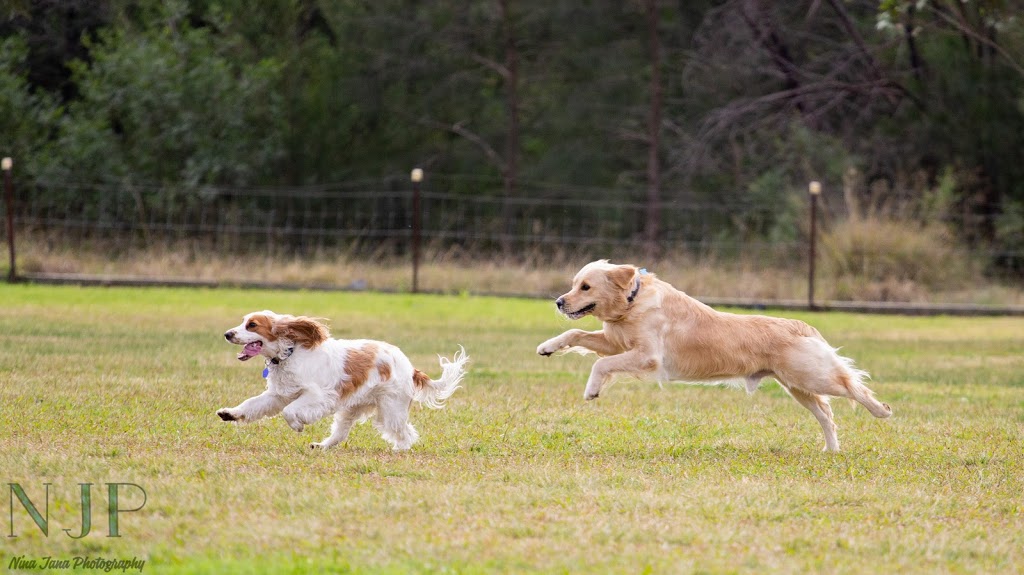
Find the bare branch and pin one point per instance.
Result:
(459, 129)
(495, 66)
(771, 42)
(735, 113)
(812, 10)
(964, 28)
(858, 40)
(633, 136)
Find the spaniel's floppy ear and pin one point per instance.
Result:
(304, 331)
(622, 276)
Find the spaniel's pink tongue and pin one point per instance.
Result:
(250, 350)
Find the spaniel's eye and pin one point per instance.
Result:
(250, 325)
(585, 287)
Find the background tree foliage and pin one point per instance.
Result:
(911, 107)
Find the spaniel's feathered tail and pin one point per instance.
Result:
(433, 392)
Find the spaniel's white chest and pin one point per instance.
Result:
(283, 381)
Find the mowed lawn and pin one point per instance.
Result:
(518, 473)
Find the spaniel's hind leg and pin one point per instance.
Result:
(343, 422)
(392, 421)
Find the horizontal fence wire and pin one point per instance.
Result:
(376, 217)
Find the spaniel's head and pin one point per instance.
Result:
(270, 334)
(601, 289)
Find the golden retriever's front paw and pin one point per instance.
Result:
(548, 347)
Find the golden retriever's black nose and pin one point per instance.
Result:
(229, 334)
(560, 302)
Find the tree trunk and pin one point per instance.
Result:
(758, 18)
(916, 64)
(510, 174)
(653, 135)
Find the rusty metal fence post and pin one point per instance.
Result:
(416, 177)
(815, 190)
(6, 164)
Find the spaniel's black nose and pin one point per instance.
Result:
(229, 334)
(560, 302)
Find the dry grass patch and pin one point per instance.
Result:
(866, 260)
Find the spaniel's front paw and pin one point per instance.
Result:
(228, 415)
(294, 423)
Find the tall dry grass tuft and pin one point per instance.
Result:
(875, 258)
(897, 243)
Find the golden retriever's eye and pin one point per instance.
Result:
(250, 325)
(585, 287)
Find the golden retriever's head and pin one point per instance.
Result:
(600, 288)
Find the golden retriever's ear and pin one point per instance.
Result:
(622, 276)
(304, 331)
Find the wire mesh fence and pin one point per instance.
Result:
(372, 218)
(468, 219)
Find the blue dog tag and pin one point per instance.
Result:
(266, 372)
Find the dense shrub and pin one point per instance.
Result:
(904, 255)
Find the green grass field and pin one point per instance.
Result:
(518, 474)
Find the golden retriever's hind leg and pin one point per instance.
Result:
(840, 379)
(857, 391)
(818, 405)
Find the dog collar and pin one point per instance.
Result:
(277, 360)
(636, 289)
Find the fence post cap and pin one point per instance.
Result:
(6, 164)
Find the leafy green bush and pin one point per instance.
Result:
(168, 104)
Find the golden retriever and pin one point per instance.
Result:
(654, 331)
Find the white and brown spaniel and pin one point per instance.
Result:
(309, 375)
